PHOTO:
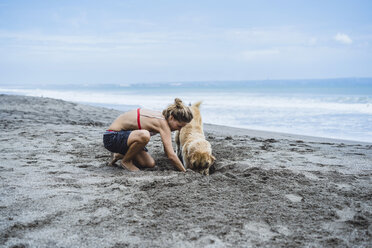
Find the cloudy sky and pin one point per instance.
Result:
(129, 41)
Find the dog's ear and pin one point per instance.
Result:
(193, 160)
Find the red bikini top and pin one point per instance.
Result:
(138, 119)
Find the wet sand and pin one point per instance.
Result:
(267, 189)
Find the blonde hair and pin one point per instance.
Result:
(179, 111)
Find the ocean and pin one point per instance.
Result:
(331, 108)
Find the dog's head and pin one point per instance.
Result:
(202, 161)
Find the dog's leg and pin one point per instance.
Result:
(177, 139)
(115, 157)
(205, 172)
(178, 143)
(179, 154)
(185, 159)
(180, 157)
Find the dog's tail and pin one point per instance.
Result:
(197, 104)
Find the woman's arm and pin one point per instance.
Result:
(166, 138)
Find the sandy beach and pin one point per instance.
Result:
(266, 190)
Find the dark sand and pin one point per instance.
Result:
(268, 189)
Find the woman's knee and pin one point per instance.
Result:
(145, 160)
(143, 136)
(152, 163)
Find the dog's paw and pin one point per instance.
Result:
(205, 172)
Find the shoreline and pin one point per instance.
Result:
(218, 128)
(224, 130)
(267, 189)
(327, 125)
(221, 129)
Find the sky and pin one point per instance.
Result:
(98, 42)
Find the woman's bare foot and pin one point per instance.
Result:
(115, 157)
(129, 165)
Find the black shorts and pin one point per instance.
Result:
(117, 142)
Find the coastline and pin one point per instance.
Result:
(338, 114)
(268, 189)
(225, 130)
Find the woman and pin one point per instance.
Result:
(128, 135)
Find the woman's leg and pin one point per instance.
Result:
(137, 140)
(144, 159)
(115, 157)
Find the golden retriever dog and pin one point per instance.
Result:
(192, 147)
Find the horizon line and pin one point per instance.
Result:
(184, 82)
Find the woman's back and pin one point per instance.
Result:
(136, 119)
